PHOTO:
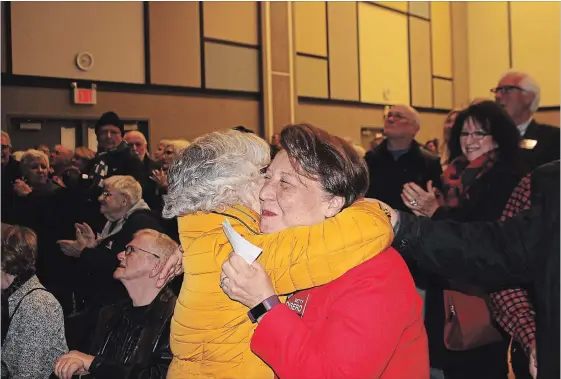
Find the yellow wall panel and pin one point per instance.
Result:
(442, 94)
(441, 38)
(231, 21)
(384, 62)
(460, 53)
(47, 36)
(488, 46)
(420, 8)
(421, 76)
(311, 77)
(399, 5)
(535, 45)
(231, 67)
(175, 44)
(311, 27)
(343, 50)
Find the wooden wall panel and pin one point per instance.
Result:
(310, 27)
(488, 45)
(421, 75)
(47, 36)
(231, 67)
(384, 62)
(343, 50)
(175, 45)
(535, 40)
(231, 21)
(311, 77)
(420, 8)
(443, 94)
(441, 39)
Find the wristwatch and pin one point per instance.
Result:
(260, 309)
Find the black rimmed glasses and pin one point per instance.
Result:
(477, 135)
(131, 249)
(506, 89)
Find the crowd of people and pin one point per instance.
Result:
(416, 261)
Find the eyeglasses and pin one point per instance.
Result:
(397, 116)
(477, 135)
(132, 249)
(506, 89)
(105, 194)
(5, 146)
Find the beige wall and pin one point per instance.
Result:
(347, 121)
(523, 34)
(169, 116)
(47, 36)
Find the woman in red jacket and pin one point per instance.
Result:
(367, 323)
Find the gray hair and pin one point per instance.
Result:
(214, 172)
(528, 83)
(29, 157)
(163, 246)
(127, 185)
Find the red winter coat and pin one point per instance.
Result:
(366, 324)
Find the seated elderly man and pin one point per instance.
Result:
(132, 337)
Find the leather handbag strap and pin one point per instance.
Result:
(19, 303)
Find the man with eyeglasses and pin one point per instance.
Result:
(399, 159)
(519, 94)
(132, 337)
(138, 144)
(114, 156)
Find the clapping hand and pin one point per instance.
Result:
(421, 202)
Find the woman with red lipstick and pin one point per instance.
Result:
(218, 178)
(366, 323)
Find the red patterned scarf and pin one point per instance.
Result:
(461, 174)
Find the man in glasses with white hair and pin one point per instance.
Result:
(132, 337)
(519, 94)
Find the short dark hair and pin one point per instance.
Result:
(19, 250)
(495, 121)
(326, 158)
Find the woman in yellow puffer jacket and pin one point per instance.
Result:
(217, 178)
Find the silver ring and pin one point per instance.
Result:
(414, 203)
(222, 282)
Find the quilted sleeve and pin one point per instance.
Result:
(308, 256)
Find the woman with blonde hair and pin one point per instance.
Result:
(126, 213)
(219, 178)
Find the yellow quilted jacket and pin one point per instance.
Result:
(211, 334)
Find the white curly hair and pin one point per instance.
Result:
(216, 171)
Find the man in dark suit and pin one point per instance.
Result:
(519, 94)
(399, 159)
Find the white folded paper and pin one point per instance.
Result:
(242, 247)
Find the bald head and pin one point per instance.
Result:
(402, 123)
(137, 143)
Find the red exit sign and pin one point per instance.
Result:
(85, 96)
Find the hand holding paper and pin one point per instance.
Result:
(242, 247)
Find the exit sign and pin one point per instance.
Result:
(85, 95)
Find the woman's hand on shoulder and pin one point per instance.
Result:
(248, 284)
(172, 267)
